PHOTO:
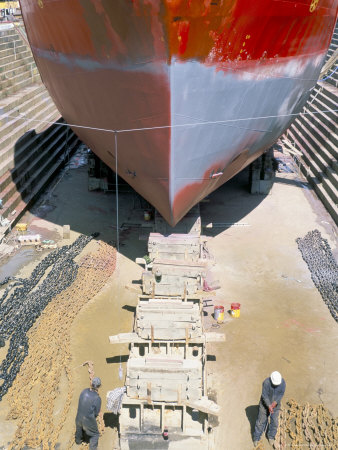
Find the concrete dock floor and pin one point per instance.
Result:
(284, 324)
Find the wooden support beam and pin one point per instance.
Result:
(162, 417)
(129, 338)
(141, 416)
(179, 394)
(205, 405)
(149, 393)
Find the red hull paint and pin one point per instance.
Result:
(107, 65)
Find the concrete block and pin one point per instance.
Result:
(66, 232)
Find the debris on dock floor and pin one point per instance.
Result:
(47, 370)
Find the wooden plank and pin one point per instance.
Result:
(194, 313)
(184, 411)
(159, 380)
(149, 393)
(141, 416)
(160, 306)
(127, 338)
(204, 405)
(179, 263)
(179, 394)
(177, 322)
(162, 417)
(123, 338)
(214, 337)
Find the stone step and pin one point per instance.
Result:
(10, 58)
(24, 146)
(17, 63)
(29, 112)
(18, 99)
(333, 176)
(320, 129)
(31, 166)
(329, 118)
(26, 73)
(329, 204)
(21, 109)
(28, 150)
(331, 77)
(313, 168)
(322, 143)
(18, 86)
(19, 202)
(9, 37)
(333, 81)
(7, 31)
(330, 188)
(13, 50)
(11, 74)
(327, 95)
(320, 190)
(314, 159)
(322, 194)
(8, 142)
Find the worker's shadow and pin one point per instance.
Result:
(252, 414)
(111, 420)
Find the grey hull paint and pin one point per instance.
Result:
(202, 94)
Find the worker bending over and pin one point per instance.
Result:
(269, 406)
(87, 411)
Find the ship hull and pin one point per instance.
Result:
(187, 111)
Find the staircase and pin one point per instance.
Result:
(313, 136)
(33, 139)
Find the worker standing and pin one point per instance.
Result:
(269, 406)
(87, 411)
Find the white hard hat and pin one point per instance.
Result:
(276, 378)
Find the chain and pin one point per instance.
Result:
(20, 310)
(307, 425)
(46, 368)
(323, 267)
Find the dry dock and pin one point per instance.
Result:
(284, 324)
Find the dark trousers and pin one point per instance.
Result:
(89, 429)
(262, 423)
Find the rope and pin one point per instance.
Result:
(129, 130)
(117, 198)
(329, 76)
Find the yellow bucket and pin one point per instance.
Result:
(21, 226)
(235, 310)
(147, 215)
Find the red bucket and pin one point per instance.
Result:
(235, 306)
(235, 309)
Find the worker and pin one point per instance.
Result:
(87, 411)
(269, 406)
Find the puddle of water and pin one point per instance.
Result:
(14, 263)
(79, 159)
(42, 210)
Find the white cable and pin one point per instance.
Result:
(117, 199)
(170, 126)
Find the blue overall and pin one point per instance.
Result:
(270, 394)
(87, 411)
